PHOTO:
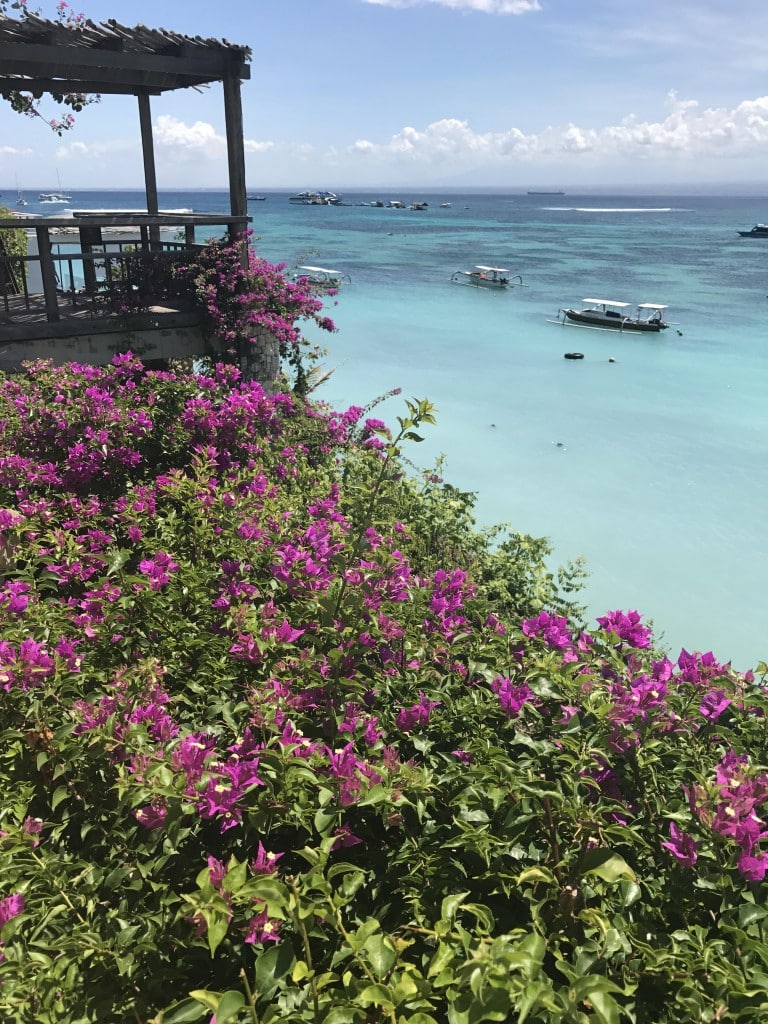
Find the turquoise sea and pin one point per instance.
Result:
(653, 467)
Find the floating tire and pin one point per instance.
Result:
(574, 355)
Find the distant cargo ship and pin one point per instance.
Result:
(554, 192)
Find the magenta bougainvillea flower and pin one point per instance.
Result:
(552, 629)
(681, 845)
(262, 928)
(627, 627)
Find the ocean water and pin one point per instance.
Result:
(654, 467)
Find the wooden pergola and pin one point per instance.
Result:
(39, 57)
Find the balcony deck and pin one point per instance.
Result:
(65, 300)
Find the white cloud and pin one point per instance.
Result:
(686, 131)
(97, 150)
(196, 141)
(484, 6)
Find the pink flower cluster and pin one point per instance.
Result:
(730, 810)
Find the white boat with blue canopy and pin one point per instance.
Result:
(608, 314)
(487, 277)
(322, 277)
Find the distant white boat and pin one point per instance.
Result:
(310, 198)
(321, 277)
(493, 278)
(445, 206)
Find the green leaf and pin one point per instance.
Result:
(535, 875)
(606, 1008)
(749, 913)
(342, 1015)
(377, 995)
(186, 1010)
(271, 965)
(440, 960)
(606, 865)
(60, 793)
(217, 929)
(451, 904)
(207, 998)
(531, 995)
(229, 1006)
(381, 954)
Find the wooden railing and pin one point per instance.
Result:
(108, 261)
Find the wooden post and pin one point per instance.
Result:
(90, 236)
(233, 116)
(238, 201)
(47, 273)
(150, 175)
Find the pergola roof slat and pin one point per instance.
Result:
(110, 56)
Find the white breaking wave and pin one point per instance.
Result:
(615, 209)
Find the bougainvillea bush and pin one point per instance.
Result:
(285, 739)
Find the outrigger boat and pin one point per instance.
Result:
(606, 314)
(321, 277)
(487, 277)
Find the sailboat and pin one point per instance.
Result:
(20, 200)
(55, 197)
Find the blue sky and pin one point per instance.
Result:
(438, 93)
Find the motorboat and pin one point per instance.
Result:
(615, 316)
(259, 199)
(310, 198)
(445, 206)
(758, 231)
(395, 204)
(418, 206)
(486, 277)
(379, 203)
(321, 277)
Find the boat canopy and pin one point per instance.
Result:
(319, 270)
(493, 270)
(650, 305)
(607, 302)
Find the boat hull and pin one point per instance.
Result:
(596, 318)
(484, 282)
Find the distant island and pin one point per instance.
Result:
(554, 192)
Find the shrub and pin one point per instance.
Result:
(267, 759)
(13, 242)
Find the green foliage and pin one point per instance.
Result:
(285, 738)
(13, 242)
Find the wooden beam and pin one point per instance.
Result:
(50, 85)
(211, 64)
